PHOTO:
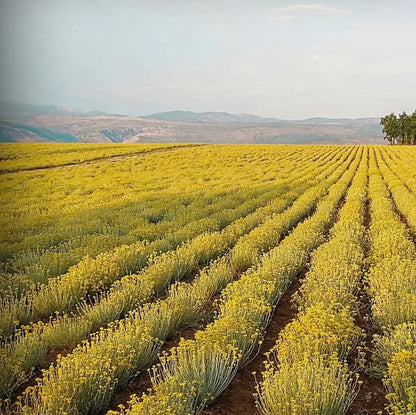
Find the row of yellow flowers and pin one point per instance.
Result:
(123, 220)
(94, 273)
(306, 371)
(16, 157)
(193, 374)
(404, 198)
(264, 238)
(84, 381)
(90, 275)
(119, 214)
(61, 292)
(403, 167)
(134, 222)
(29, 348)
(188, 260)
(67, 330)
(392, 285)
(40, 209)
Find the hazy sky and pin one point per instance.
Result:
(288, 59)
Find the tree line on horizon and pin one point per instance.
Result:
(401, 129)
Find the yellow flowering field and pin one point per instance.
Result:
(172, 279)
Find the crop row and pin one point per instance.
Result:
(404, 199)
(134, 179)
(124, 220)
(40, 213)
(306, 372)
(16, 157)
(401, 169)
(406, 159)
(91, 274)
(144, 220)
(66, 331)
(193, 374)
(160, 220)
(94, 268)
(288, 219)
(84, 381)
(63, 193)
(392, 285)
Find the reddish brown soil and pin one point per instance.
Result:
(339, 205)
(52, 355)
(32, 381)
(238, 397)
(371, 396)
(367, 217)
(142, 382)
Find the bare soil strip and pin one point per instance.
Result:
(142, 382)
(371, 397)
(238, 398)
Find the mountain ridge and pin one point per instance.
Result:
(217, 117)
(26, 123)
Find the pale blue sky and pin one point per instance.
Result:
(286, 59)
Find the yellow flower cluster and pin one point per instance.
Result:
(402, 167)
(183, 218)
(84, 381)
(104, 238)
(264, 238)
(313, 384)
(47, 208)
(159, 315)
(16, 157)
(92, 274)
(401, 382)
(404, 199)
(306, 372)
(67, 331)
(197, 371)
(392, 285)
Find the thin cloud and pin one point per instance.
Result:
(298, 10)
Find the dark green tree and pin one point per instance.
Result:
(390, 127)
(413, 128)
(399, 130)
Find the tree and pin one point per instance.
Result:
(399, 130)
(390, 127)
(413, 129)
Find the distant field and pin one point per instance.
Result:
(17, 157)
(194, 261)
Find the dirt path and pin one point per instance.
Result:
(116, 157)
(371, 398)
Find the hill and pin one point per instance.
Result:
(212, 117)
(26, 123)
